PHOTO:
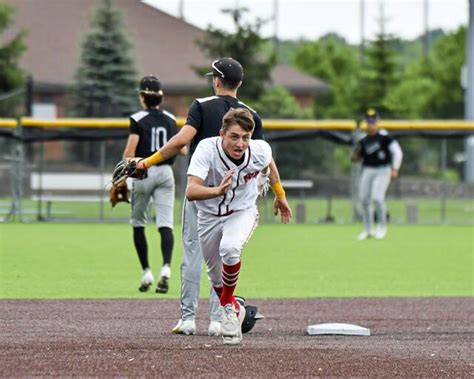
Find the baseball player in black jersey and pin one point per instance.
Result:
(150, 129)
(205, 120)
(381, 157)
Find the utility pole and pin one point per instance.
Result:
(362, 31)
(469, 94)
(181, 9)
(426, 40)
(275, 27)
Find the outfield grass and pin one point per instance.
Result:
(429, 210)
(46, 261)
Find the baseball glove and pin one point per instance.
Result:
(119, 193)
(127, 168)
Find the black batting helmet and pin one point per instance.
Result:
(251, 315)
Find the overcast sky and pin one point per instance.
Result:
(311, 19)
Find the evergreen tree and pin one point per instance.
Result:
(379, 73)
(246, 46)
(11, 76)
(106, 78)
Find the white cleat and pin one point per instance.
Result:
(231, 327)
(381, 232)
(364, 235)
(147, 280)
(187, 327)
(214, 329)
(163, 283)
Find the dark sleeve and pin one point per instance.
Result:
(134, 127)
(258, 131)
(194, 115)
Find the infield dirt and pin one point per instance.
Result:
(422, 337)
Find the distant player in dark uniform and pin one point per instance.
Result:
(381, 157)
(205, 120)
(150, 129)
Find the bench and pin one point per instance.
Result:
(73, 187)
(301, 185)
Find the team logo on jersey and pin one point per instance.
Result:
(372, 147)
(250, 175)
(381, 155)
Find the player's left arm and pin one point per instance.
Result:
(280, 204)
(131, 146)
(397, 157)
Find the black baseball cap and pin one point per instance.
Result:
(150, 85)
(228, 69)
(371, 116)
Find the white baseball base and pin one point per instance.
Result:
(338, 328)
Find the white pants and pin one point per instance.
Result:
(191, 266)
(222, 239)
(373, 186)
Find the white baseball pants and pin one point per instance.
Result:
(222, 239)
(373, 186)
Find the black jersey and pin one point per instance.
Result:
(155, 127)
(206, 116)
(374, 150)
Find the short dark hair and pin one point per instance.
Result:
(228, 84)
(151, 101)
(239, 116)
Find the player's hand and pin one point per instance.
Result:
(281, 205)
(226, 182)
(141, 165)
(394, 174)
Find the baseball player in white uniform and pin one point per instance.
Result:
(222, 179)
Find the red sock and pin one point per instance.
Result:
(230, 275)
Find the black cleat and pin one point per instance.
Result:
(163, 285)
(144, 287)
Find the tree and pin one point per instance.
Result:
(333, 60)
(245, 45)
(445, 62)
(106, 78)
(11, 76)
(379, 73)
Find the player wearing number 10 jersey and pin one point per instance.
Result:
(150, 129)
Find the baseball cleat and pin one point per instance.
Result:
(363, 236)
(163, 285)
(147, 280)
(231, 326)
(186, 327)
(165, 275)
(214, 329)
(381, 232)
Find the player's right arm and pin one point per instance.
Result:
(196, 190)
(174, 146)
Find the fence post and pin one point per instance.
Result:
(102, 174)
(444, 154)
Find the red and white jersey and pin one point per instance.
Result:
(210, 163)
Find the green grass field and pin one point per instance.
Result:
(429, 210)
(50, 261)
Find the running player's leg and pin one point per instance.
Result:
(210, 235)
(191, 264)
(191, 268)
(365, 195)
(380, 185)
(141, 192)
(163, 199)
(237, 230)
